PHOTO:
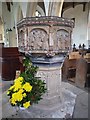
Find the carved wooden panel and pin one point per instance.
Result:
(62, 39)
(38, 40)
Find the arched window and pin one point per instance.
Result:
(37, 13)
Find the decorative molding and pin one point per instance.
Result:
(48, 34)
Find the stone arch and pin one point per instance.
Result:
(39, 29)
(40, 10)
(31, 8)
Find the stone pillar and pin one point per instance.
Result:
(52, 74)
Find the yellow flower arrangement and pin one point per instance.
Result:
(27, 88)
(18, 92)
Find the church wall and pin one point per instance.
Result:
(10, 21)
(80, 30)
(6, 20)
(89, 26)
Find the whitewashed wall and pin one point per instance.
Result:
(80, 32)
(81, 20)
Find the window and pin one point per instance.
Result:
(37, 13)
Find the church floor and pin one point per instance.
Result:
(80, 108)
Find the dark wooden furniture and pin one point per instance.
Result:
(9, 62)
(69, 69)
(81, 72)
(72, 69)
(70, 66)
(77, 69)
(88, 73)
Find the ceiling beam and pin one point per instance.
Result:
(84, 5)
(73, 4)
(9, 5)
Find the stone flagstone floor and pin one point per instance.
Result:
(75, 105)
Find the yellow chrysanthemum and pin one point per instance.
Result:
(11, 87)
(17, 96)
(20, 78)
(21, 90)
(14, 96)
(27, 87)
(27, 104)
(13, 101)
(24, 95)
(17, 86)
(8, 92)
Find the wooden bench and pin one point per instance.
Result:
(9, 62)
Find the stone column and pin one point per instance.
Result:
(52, 74)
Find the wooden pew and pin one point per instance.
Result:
(77, 69)
(69, 66)
(9, 61)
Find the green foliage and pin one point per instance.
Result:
(38, 85)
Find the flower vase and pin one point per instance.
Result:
(22, 108)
